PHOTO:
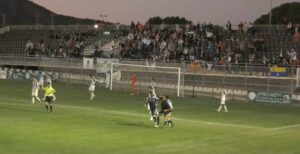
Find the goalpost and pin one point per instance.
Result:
(169, 80)
(298, 78)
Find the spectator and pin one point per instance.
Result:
(229, 26)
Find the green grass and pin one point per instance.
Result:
(118, 123)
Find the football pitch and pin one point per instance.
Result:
(116, 122)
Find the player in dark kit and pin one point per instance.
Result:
(166, 110)
(152, 101)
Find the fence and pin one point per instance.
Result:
(238, 79)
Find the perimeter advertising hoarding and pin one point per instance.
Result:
(265, 97)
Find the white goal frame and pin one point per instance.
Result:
(298, 78)
(178, 69)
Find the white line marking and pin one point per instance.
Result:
(136, 114)
(286, 127)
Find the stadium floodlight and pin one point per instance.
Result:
(96, 26)
(169, 80)
(270, 14)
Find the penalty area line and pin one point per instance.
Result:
(143, 115)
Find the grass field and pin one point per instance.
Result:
(118, 123)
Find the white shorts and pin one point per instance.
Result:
(222, 102)
(92, 88)
(35, 92)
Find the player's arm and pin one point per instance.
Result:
(147, 102)
(53, 90)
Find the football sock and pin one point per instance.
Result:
(38, 99)
(220, 108)
(32, 100)
(50, 108)
(154, 119)
(157, 120)
(46, 106)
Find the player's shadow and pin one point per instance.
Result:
(132, 124)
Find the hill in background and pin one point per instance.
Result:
(25, 12)
(282, 14)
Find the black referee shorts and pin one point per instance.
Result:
(49, 99)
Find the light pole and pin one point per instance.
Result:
(3, 20)
(52, 20)
(271, 7)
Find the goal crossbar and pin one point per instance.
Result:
(178, 69)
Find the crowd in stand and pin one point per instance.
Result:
(201, 43)
(60, 44)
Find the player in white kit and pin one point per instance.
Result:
(35, 90)
(151, 90)
(92, 87)
(223, 99)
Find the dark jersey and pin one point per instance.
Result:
(166, 105)
(152, 102)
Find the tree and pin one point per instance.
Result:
(155, 21)
(288, 12)
(168, 20)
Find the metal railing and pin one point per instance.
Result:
(231, 69)
(67, 27)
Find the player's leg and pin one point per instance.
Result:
(47, 105)
(37, 96)
(92, 95)
(225, 108)
(33, 96)
(91, 90)
(220, 107)
(51, 105)
(170, 122)
(156, 118)
(151, 117)
(166, 120)
(32, 99)
(132, 90)
(222, 103)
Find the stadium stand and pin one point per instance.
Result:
(66, 43)
(250, 44)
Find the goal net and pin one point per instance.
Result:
(298, 78)
(168, 80)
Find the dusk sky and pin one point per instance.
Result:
(124, 11)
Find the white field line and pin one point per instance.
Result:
(286, 127)
(143, 115)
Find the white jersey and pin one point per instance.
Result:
(223, 95)
(35, 88)
(152, 87)
(92, 84)
(35, 85)
(170, 104)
